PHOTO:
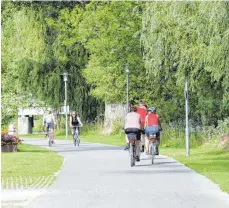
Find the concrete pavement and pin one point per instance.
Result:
(100, 176)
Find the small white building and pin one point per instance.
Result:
(25, 119)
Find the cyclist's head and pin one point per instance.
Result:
(152, 109)
(133, 109)
(74, 113)
(142, 104)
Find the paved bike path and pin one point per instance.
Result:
(100, 176)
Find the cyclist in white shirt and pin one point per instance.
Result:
(49, 122)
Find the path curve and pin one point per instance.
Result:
(100, 176)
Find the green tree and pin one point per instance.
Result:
(110, 32)
(189, 37)
(36, 38)
(20, 28)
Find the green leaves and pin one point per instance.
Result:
(159, 41)
(193, 37)
(108, 30)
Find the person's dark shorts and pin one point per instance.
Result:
(134, 130)
(143, 131)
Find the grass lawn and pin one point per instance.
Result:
(31, 166)
(118, 140)
(206, 160)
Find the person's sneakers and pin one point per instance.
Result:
(137, 158)
(157, 151)
(53, 142)
(143, 147)
(127, 146)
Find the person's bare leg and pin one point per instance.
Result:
(138, 148)
(46, 130)
(127, 143)
(147, 145)
(142, 142)
(52, 134)
(127, 140)
(157, 145)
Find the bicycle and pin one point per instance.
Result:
(76, 139)
(132, 137)
(152, 146)
(50, 137)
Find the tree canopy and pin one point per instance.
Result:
(161, 43)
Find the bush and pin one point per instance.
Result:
(38, 124)
(117, 126)
(92, 127)
(172, 137)
(175, 137)
(213, 135)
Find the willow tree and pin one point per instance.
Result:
(72, 57)
(38, 48)
(20, 28)
(188, 39)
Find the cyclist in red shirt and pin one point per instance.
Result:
(152, 123)
(142, 110)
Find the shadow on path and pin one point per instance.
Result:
(149, 172)
(86, 148)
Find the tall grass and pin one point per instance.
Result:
(175, 137)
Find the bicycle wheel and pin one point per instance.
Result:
(152, 150)
(50, 142)
(74, 139)
(78, 141)
(132, 155)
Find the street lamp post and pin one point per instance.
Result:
(186, 117)
(127, 89)
(65, 74)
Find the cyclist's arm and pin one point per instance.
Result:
(146, 121)
(140, 121)
(78, 118)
